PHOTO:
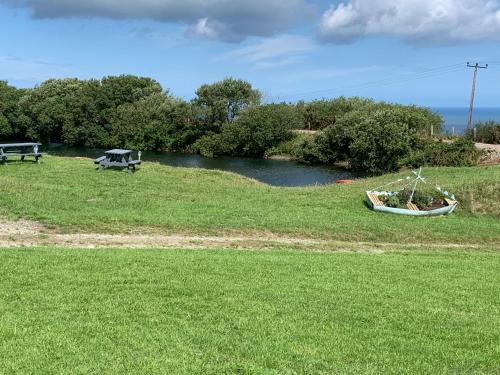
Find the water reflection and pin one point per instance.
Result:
(272, 172)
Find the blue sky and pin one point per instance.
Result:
(404, 51)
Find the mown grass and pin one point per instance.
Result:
(68, 192)
(275, 312)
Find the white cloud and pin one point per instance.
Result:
(229, 20)
(208, 28)
(273, 52)
(417, 21)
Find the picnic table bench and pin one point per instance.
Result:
(117, 158)
(8, 150)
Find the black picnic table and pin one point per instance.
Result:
(8, 150)
(117, 158)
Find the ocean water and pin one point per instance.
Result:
(456, 117)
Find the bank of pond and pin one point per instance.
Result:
(406, 201)
(274, 172)
(286, 173)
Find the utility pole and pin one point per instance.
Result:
(476, 66)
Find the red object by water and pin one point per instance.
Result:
(344, 181)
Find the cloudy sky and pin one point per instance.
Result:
(409, 51)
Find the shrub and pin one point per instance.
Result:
(256, 130)
(211, 145)
(320, 114)
(306, 150)
(372, 141)
(282, 149)
(460, 153)
(10, 115)
(157, 122)
(379, 143)
(225, 100)
(392, 201)
(488, 132)
(422, 201)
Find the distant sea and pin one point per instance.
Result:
(457, 116)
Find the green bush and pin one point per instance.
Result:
(224, 100)
(371, 142)
(11, 125)
(422, 201)
(320, 114)
(379, 143)
(427, 152)
(157, 122)
(255, 131)
(79, 112)
(306, 150)
(392, 201)
(284, 148)
(488, 132)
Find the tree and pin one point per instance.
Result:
(255, 131)
(79, 113)
(157, 122)
(87, 126)
(225, 100)
(46, 109)
(10, 115)
(380, 142)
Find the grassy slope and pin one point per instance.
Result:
(69, 192)
(149, 311)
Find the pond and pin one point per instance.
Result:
(272, 172)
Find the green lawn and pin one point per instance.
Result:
(68, 192)
(276, 312)
(226, 311)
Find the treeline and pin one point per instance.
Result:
(224, 118)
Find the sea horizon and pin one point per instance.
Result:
(456, 117)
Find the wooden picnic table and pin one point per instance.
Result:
(117, 158)
(8, 150)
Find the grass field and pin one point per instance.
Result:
(401, 308)
(276, 312)
(69, 193)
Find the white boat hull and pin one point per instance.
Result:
(402, 211)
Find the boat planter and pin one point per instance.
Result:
(380, 200)
(380, 207)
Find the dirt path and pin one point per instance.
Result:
(29, 233)
(24, 233)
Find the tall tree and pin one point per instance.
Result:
(158, 122)
(224, 100)
(46, 109)
(10, 116)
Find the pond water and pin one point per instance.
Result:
(272, 172)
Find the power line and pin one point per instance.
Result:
(390, 80)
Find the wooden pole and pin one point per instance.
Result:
(473, 92)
